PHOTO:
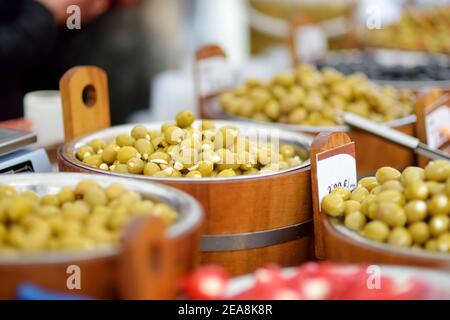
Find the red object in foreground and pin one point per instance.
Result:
(311, 281)
(207, 283)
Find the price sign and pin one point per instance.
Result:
(311, 42)
(437, 122)
(215, 75)
(336, 168)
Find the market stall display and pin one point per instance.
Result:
(320, 281)
(309, 101)
(53, 224)
(274, 208)
(399, 68)
(392, 211)
(420, 29)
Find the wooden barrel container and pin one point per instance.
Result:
(334, 241)
(249, 220)
(148, 264)
(373, 152)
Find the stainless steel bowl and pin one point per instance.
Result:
(67, 152)
(213, 106)
(190, 212)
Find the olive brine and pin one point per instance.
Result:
(406, 209)
(179, 150)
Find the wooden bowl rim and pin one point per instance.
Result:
(67, 154)
(191, 213)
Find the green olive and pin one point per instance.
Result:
(226, 173)
(194, 174)
(391, 213)
(185, 119)
(416, 210)
(85, 185)
(387, 173)
(431, 245)
(438, 225)
(95, 197)
(400, 237)
(416, 190)
(126, 153)
(359, 194)
(419, 232)
(366, 204)
(435, 188)
(391, 196)
(392, 185)
(151, 168)
(439, 205)
(18, 208)
(333, 204)
(124, 140)
(84, 152)
(205, 168)
(438, 170)
(50, 200)
(109, 154)
(443, 242)
(144, 147)
(135, 165)
(368, 182)
(351, 206)
(120, 168)
(174, 135)
(94, 160)
(66, 194)
(139, 132)
(412, 174)
(376, 230)
(344, 193)
(355, 220)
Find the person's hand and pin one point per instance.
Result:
(90, 9)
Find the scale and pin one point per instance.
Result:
(16, 156)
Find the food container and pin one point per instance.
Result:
(250, 220)
(338, 243)
(402, 283)
(269, 20)
(368, 154)
(148, 264)
(402, 69)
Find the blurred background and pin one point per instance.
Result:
(147, 46)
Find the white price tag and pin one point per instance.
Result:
(311, 43)
(435, 122)
(336, 168)
(215, 75)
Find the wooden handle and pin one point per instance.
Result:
(85, 101)
(322, 142)
(146, 269)
(204, 53)
(295, 23)
(425, 104)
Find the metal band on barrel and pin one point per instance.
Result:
(256, 239)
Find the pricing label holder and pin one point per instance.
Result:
(212, 75)
(433, 121)
(332, 164)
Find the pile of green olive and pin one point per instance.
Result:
(406, 209)
(80, 218)
(307, 96)
(179, 150)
